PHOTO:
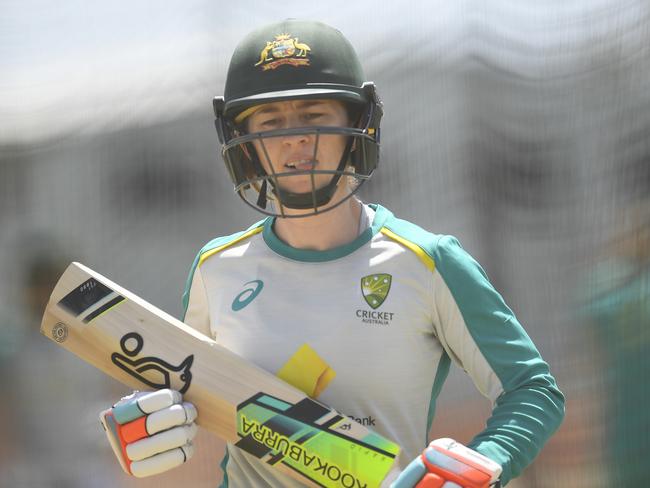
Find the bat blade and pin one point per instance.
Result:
(146, 348)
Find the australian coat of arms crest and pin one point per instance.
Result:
(284, 49)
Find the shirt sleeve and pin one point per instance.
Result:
(482, 335)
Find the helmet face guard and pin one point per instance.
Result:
(297, 60)
(257, 187)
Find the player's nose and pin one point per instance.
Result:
(296, 139)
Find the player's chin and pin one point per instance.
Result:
(303, 183)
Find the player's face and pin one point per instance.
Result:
(295, 153)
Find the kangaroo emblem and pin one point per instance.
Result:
(284, 49)
(162, 373)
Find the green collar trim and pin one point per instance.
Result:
(311, 256)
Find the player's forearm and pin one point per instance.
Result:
(521, 423)
(503, 362)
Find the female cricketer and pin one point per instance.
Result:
(360, 309)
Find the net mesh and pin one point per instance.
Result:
(520, 129)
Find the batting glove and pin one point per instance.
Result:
(447, 464)
(150, 432)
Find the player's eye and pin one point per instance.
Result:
(268, 123)
(314, 116)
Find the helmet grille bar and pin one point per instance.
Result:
(313, 175)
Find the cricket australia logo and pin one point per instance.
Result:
(284, 49)
(375, 288)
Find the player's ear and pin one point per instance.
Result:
(354, 120)
(240, 130)
(246, 151)
(354, 114)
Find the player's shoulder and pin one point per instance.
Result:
(215, 246)
(221, 243)
(429, 246)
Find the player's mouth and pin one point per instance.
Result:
(301, 165)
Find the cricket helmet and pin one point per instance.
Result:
(288, 60)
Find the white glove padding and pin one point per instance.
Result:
(150, 432)
(447, 464)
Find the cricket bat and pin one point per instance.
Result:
(146, 348)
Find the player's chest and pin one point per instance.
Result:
(268, 309)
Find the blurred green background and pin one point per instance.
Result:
(521, 128)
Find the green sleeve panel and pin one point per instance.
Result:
(528, 406)
(442, 371)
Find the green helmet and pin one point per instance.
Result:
(296, 59)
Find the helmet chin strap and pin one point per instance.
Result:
(261, 198)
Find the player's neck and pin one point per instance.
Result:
(331, 229)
